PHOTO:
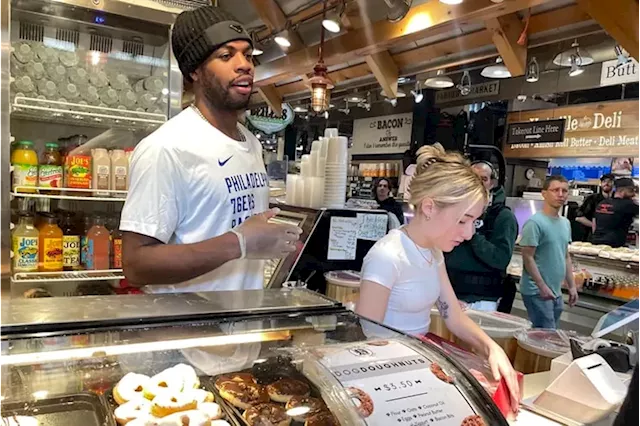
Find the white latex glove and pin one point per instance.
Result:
(260, 239)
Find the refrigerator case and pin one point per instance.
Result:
(366, 374)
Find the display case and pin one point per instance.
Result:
(363, 373)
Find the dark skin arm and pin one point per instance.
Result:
(148, 261)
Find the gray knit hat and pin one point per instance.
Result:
(199, 32)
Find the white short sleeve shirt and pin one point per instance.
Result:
(398, 264)
(189, 182)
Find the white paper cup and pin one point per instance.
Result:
(291, 189)
(305, 166)
(337, 151)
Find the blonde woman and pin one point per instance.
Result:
(404, 275)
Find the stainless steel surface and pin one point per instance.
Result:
(137, 308)
(5, 135)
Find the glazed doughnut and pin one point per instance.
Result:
(185, 418)
(165, 404)
(132, 410)
(243, 394)
(130, 387)
(234, 377)
(364, 404)
(323, 418)
(315, 405)
(211, 409)
(266, 414)
(284, 389)
(189, 377)
(166, 382)
(200, 395)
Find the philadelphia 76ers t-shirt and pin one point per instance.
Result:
(189, 183)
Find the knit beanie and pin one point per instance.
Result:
(199, 32)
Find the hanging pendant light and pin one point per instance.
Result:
(418, 96)
(533, 71)
(440, 81)
(397, 9)
(499, 70)
(320, 83)
(564, 59)
(465, 84)
(576, 66)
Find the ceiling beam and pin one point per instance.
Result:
(421, 21)
(276, 21)
(505, 31)
(619, 18)
(272, 98)
(354, 17)
(386, 72)
(312, 12)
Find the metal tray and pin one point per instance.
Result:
(81, 409)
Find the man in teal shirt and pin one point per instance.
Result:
(545, 253)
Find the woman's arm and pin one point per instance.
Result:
(373, 301)
(467, 330)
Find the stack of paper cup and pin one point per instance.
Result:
(305, 166)
(321, 159)
(317, 192)
(291, 189)
(335, 183)
(299, 192)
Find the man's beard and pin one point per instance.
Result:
(219, 97)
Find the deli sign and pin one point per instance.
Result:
(389, 134)
(607, 129)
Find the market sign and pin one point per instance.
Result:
(266, 120)
(536, 131)
(608, 129)
(612, 74)
(484, 90)
(389, 134)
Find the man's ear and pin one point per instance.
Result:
(194, 75)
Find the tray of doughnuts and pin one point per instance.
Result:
(272, 392)
(173, 397)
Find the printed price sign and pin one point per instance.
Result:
(391, 384)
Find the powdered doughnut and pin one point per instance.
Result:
(131, 410)
(189, 377)
(199, 395)
(315, 406)
(284, 389)
(165, 404)
(365, 403)
(266, 414)
(186, 418)
(130, 387)
(243, 394)
(166, 382)
(220, 423)
(211, 409)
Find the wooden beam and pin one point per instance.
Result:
(274, 18)
(312, 12)
(505, 31)
(619, 18)
(386, 72)
(423, 20)
(272, 98)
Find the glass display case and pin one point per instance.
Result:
(285, 356)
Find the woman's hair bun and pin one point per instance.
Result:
(431, 154)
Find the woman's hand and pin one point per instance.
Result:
(501, 367)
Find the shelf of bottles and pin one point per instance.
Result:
(67, 276)
(69, 194)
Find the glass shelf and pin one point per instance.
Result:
(66, 276)
(81, 194)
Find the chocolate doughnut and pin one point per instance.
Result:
(266, 414)
(284, 389)
(315, 406)
(323, 418)
(365, 403)
(234, 377)
(243, 394)
(473, 421)
(439, 373)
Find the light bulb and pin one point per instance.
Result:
(257, 51)
(282, 41)
(331, 25)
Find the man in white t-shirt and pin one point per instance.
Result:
(196, 217)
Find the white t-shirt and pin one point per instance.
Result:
(397, 263)
(189, 183)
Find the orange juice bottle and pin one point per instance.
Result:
(25, 166)
(50, 235)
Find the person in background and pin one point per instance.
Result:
(614, 216)
(588, 208)
(545, 254)
(404, 275)
(477, 267)
(382, 194)
(408, 169)
(196, 216)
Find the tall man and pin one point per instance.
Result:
(477, 267)
(545, 253)
(588, 208)
(196, 218)
(614, 216)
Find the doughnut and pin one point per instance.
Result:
(189, 376)
(234, 377)
(266, 414)
(284, 389)
(220, 423)
(315, 405)
(211, 409)
(130, 387)
(362, 401)
(147, 420)
(185, 418)
(166, 382)
(199, 395)
(473, 421)
(439, 373)
(243, 394)
(323, 418)
(132, 410)
(165, 404)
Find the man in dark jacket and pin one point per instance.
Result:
(477, 267)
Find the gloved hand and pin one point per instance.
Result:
(260, 239)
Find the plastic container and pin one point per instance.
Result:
(98, 245)
(343, 286)
(539, 346)
(25, 166)
(25, 245)
(50, 171)
(101, 178)
(119, 173)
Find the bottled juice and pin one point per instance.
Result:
(116, 249)
(101, 171)
(70, 242)
(119, 173)
(25, 245)
(50, 244)
(98, 245)
(87, 223)
(25, 166)
(50, 169)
